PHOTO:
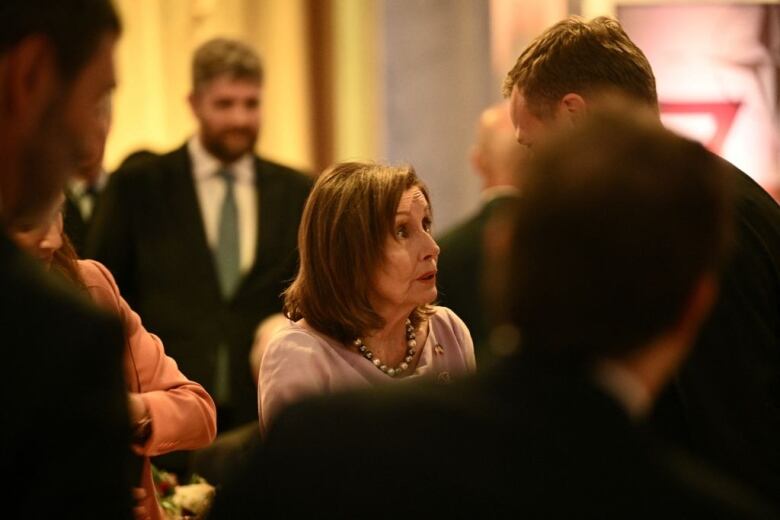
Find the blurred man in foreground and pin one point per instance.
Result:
(82, 192)
(66, 432)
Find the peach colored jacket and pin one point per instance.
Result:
(183, 414)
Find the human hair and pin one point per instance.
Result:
(73, 27)
(578, 56)
(225, 57)
(619, 221)
(65, 263)
(346, 222)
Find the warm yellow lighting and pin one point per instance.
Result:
(355, 72)
(153, 65)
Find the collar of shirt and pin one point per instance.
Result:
(205, 166)
(78, 186)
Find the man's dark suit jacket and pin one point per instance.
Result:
(460, 270)
(219, 461)
(725, 404)
(149, 232)
(65, 432)
(74, 224)
(527, 439)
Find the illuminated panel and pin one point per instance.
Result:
(708, 123)
(717, 69)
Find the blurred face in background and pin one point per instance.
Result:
(41, 237)
(228, 112)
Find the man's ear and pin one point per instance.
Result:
(193, 100)
(29, 75)
(571, 108)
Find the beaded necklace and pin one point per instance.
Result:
(390, 371)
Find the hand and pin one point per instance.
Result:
(139, 418)
(137, 407)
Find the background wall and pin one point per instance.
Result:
(154, 57)
(437, 79)
(724, 89)
(390, 80)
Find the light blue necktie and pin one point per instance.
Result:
(227, 256)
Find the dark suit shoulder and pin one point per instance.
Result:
(747, 189)
(289, 175)
(467, 235)
(729, 412)
(519, 439)
(65, 369)
(177, 159)
(131, 187)
(754, 205)
(462, 234)
(42, 309)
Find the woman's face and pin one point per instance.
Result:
(407, 277)
(43, 238)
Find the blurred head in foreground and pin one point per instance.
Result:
(616, 247)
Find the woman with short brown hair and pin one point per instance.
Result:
(361, 305)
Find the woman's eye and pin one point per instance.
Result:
(427, 226)
(401, 232)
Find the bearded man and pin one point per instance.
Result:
(202, 239)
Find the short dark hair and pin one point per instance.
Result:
(225, 57)
(74, 27)
(578, 56)
(619, 220)
(345, 223)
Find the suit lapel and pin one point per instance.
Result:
(185, 209)
(269, 199)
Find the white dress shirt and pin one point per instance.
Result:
(77, 188)
(210, 189)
